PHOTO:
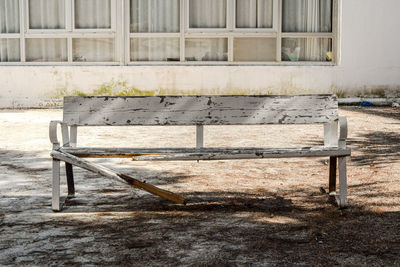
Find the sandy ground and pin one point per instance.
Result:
(249, 212)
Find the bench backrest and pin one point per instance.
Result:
(200, 110)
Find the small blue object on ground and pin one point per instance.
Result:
(366, 104)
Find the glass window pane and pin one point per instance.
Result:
(212, 49)
(92, 14)
(9, 16)
(254, 49)
(307, 16)
(307, 49)
(43, 50)
(46, 14)
(154, 16)
(254, 13)
(9, 50)
(93, 50)
(155, 49)
(207, 14)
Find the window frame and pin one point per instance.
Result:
(120, 33)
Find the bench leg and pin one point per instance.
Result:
(342, 197)
(70, 180)
(55, 203)
(332, 175)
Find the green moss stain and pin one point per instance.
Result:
(121, 88)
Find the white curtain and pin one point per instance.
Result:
(46, 50)
(155, 49)
(254, 13)
(207, 49)
(155, 16)
(9, 23)
(207, 13)
(307, 16)
(93, 14)
(9, 16)
(9, 50)
(46, 14)
(306, 49)
(93, 50)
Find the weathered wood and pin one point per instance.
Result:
(342, 198)
(200, 110)
(331, 135)
(55, 200)
(199, 136)
(106, 172)
(343, 132)
(73, 135)
(207, 153)
(278, 153)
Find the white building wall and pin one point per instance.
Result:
(370, 64)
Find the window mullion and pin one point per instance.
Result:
(68, 15)
(126, 32)
(183, 20)
(336, 31)
(230, 26)
(22, 26)
(118, 35)
(278, 15)
(229, 14)
(113, 16)
(69, 49)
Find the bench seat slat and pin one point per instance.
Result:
(200, 110)
(207, 153)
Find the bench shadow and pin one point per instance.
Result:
(229, 228)
(379, 147)
(373, 148)
(125, 226)
(385, 112)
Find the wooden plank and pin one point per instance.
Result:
(342, 198)
(55, 199)
(331, 134)
(200, 110)
(106, 172)
(206, 153)
(199, 136)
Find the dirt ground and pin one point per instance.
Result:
(248, 212)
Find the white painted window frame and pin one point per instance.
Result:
(120, 32)
(68, 33)
(231, 32)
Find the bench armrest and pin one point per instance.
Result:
(53, 134)
(343, 131)
(335, 133)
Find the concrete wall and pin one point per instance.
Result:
(370, 65)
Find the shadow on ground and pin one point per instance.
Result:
(392, 113)
(214, 229)
(117, 225)
(380, 147)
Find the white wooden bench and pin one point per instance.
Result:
(197, 111)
